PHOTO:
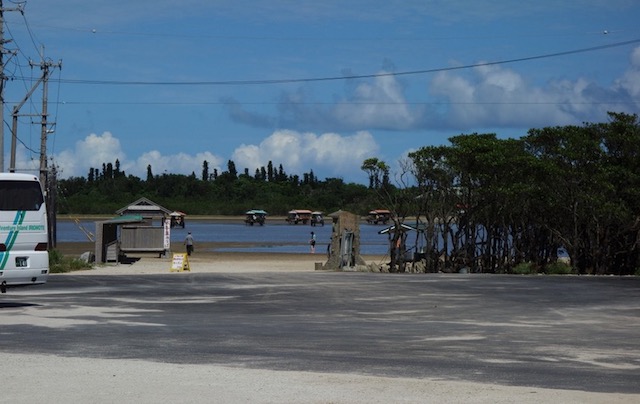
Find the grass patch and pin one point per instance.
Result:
(558, 268)
(524, 268)
(58, 263)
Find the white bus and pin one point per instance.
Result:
(24, 258)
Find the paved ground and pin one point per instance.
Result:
(323, 337)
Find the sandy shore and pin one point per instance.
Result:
(204, 259)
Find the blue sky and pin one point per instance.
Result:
(312, 85)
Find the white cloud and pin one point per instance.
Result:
(96, 150)
(630, 81)
(93, 151)
(380, 104)
(330, 153)
(494, 96)
(180, 163)
(248, 153)
(26, 161)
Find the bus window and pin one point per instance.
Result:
(20, 195)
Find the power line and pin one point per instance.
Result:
(350, 77)
(28, 148)
(617, 102)
(31, 36)
(96, 31)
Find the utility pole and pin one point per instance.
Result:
(3, 78)
(49, 182)
(14, 126)
(46, 66)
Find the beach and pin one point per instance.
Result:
(206, 259)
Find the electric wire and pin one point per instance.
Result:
(185, 103)
(20, 140)
(24, 79)
(348, 77)
(95, 31)
(55, 114)
(32, 36)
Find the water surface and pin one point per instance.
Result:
(276, 237)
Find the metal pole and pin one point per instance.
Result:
(14, 126)
(43, 130)
(3, 78)
(1, 88)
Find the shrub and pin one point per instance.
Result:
(60, 264)
(558, 268)
(524, 268)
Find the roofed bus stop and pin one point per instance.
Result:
(141, 227)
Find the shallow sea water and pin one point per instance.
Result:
(276, 237)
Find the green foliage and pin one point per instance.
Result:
(521, 199)
(525, 268)
(558, 268)
(226, 194)
(60, 264)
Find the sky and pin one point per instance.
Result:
(313, 85)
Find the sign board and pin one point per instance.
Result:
(167, 234)
(179, 263)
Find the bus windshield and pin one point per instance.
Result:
(20, 195)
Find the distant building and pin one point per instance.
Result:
(141, 226)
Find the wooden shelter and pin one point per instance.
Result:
(142, 226)
(150, 211)
(107, 244)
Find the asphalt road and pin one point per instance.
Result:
(576, 333)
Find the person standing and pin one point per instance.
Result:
(312, 243)
(188, 241)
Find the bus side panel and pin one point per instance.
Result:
(21, 264)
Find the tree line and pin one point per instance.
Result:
(229, 192)
(495, 205)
